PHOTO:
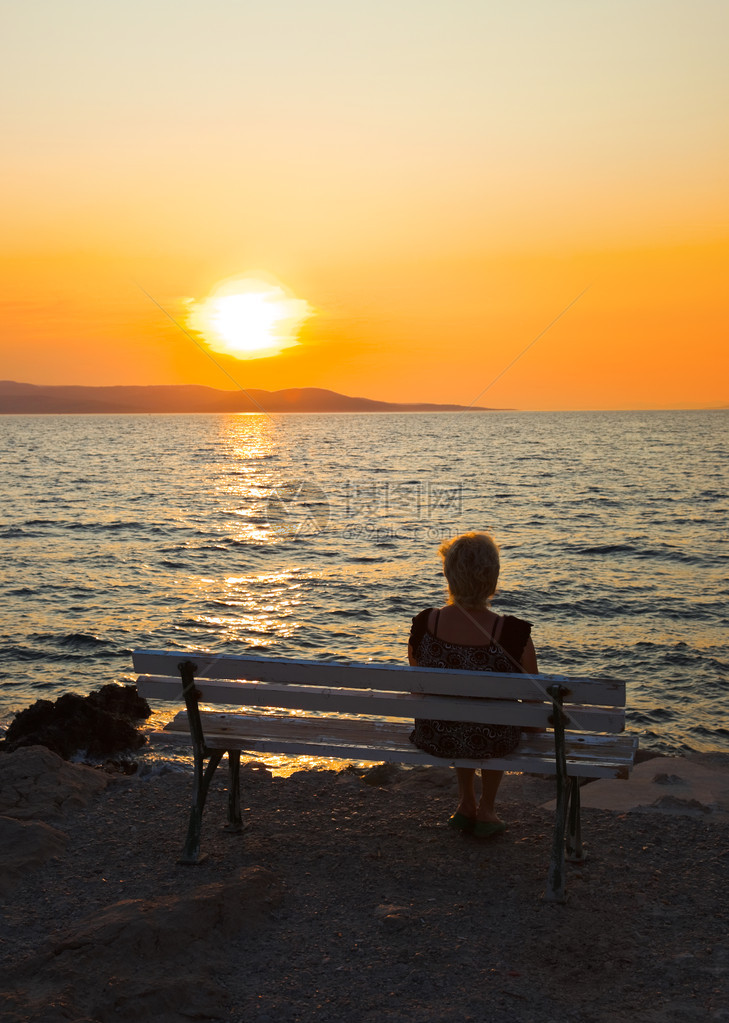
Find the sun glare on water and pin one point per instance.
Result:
(249, 318)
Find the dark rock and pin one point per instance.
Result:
(100, 723)
(120, 765)
(255, 771)
(394, 918)
(381, 774)
(667, 779)
(673, 803)
(25, 845)
(124, 701)
(36, 784)
(145, 959)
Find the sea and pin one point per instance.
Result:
(316, 536)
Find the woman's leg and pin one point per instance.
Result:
(466, 791)
(490, 781)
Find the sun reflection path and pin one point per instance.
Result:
(252, 610)
(251, 468)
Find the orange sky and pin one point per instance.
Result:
(439, 182)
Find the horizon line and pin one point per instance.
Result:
(439, 407)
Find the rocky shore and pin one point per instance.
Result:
(348, 897)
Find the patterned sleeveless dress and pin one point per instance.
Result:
(464, 739)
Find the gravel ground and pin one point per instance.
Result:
(369, 908)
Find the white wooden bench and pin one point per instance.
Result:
(364, 712)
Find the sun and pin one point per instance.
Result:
(249, 318)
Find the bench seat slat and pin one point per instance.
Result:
(353, 729)
(229, 728)
(275, 735)
(388, 704)
(601, 692)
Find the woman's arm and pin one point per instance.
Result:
(528, 661)
(420, 624)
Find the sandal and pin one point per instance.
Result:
(460, 822)
(487, 829)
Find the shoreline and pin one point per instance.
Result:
(343, 898)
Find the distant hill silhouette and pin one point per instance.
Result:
(40, 399)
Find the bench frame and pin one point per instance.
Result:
(422, 687)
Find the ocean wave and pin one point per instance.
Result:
(711, 733)
(20, 652)
(664, 552)
(653, 716)
(615, 548)
(81, 639)
(108, 527)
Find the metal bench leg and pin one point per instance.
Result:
(201, 784)
(235, 821)
(202, 774)
(575, 851)
(555, 891)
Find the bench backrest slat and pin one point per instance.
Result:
(397, 678)
(385, 704)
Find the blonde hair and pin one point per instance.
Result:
(471, 567)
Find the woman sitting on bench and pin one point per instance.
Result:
(467, 634)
